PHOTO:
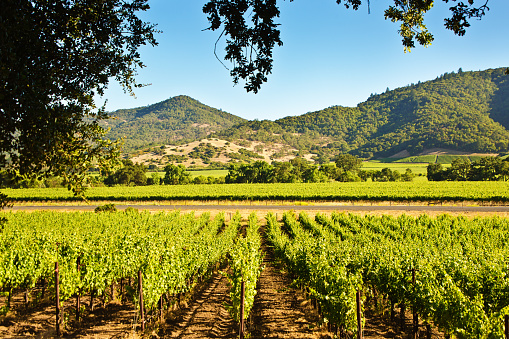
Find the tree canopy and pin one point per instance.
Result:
(484, 169)
(348, 163)
(175, 175)
(129, 174)
(54, 57)
(252, 33)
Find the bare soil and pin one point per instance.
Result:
(281, 311)
(37, 319)
(205, 316)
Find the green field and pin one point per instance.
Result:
(419, 159)
(216, 173)
(334, 191)
(458, 265)
(431, 158)
(417, 168)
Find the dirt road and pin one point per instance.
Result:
(267, 208)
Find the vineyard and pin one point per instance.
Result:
(449, 274)
(452, 272)
(475, 191)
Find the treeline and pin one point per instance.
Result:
(347, 168)
(130, 174)
(485, 169)
(136, 175)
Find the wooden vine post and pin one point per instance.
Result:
(402, 319)
(506, 321)
(359, 315)
(57, 300)
(161, 309)
(121, 290)
(43, 292)
(242, 297)
(428, 331)
(78, 295)
(140, 290)
(415, 319)
(112, 291)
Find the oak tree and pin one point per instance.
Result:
(252, 33)
(348, 163)
(176, 175)
(55, 55)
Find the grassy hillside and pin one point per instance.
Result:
(171, 121)
(214, 153)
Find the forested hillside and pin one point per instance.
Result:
(458, 111)
(462, 111)
(177, 119)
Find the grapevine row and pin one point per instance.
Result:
(481, 191)
(245, 268)
(94, 251)
(461, 282)
(314, 262)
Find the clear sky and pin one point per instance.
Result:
(331, 56)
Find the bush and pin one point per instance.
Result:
(105, 208)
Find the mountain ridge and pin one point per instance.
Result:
(452, 111)
(461, 111)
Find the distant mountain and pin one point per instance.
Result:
(463, 111)
(180, 118)
(458, 111)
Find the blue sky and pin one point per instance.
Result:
(331, 56)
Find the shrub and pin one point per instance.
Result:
(105, 208)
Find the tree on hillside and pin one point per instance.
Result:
(129, 174)
(348, 163)
(55, 56)
(460, 169)
(249, 45)
(176, 175)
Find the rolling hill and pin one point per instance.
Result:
(458, 111)
(177, 119)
